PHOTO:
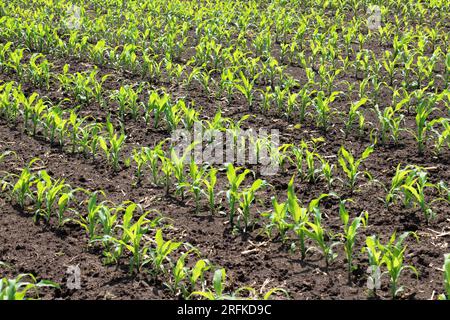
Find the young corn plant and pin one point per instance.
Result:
(141, 160)
(423, 111)
(185, 279)
(37, 114)
(19, 288)
(312, 173)
(218, 292)
(350, 166)
(323, 239)
(393, 259)
(416, 189)
(53, 123)
(323, 109)
(80, 84)
(304, 103)
(298, 158)
(300, 217)
(353, 115)
(159, 254)
(178, 167)
(154, 156)
(90, 139)
(27, 107)
(327, 171)
(173, 114)
(39, 73)
(245, 86)
(127, 100)
(21, 189)
(218, 285)
(444, 190)
(446, 267)
(6, 104)
(107, 219)
(155, 105)
(245, 198)
(63, 206)
(235, 179)
(167, 169)
(4, 52)
(446, 76)
(89, 222)
(375, 253)
(194, 185)
(401, 177)
(190, 116)
(15, 62)
(278, 219)
(350, 233)
(132, 239)
(112, 146)
(50, 191)
(443, 137)
(390, 123)
(226, 83)
(210, 181)
(76, 127)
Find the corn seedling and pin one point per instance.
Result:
(350, 233)
(393, 259)
(400, 178)
(417, 189)
(173, 114)
(245, 199)
(210, 180)
(178, 166)
(390, 122)
(19, 289)
(160, 252)
(278, 219)
(195, 184)
(327, 170)
(168, 169)
(132, 238)
(375, 254)
(218, 285)
(141, 159)
(184, 278)
(245, 86)
(323, 109)
(235, 179)
(39, 73)
(127, 99)
(300, 217)
(446, 267)
(90, 221)
(154, 158)
(112, 146)
(15, 62)
(21, 190)
(51, 191)
(353, 114)
(423, 111)
(323, 239)
(350, 166)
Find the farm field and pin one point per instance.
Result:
(214, 149)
